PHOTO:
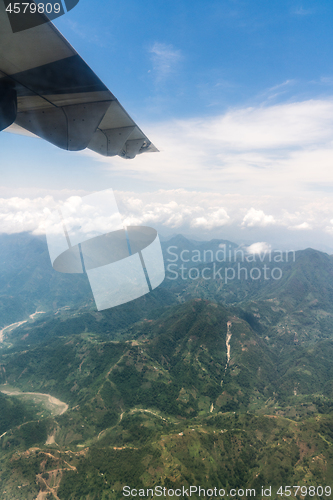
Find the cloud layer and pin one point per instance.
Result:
(252, 174)
(282, 150)
(202, 215)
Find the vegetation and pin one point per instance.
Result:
(154, 398)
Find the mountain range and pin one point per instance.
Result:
(201, 382)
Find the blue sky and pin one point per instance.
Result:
(237, 95)
(182, 59)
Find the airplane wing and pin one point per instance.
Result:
(47, 88)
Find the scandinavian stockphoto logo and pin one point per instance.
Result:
(87, 236)
(227, 262)
(25, 15)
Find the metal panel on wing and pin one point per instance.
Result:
(59, 97)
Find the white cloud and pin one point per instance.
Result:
(301, 227)
(165, 59)
(257, 218)
(261, 247)
(279, 126)
(284, 150)
(281, 85)
(214, 218)
(23, 214)
(245, 174)
(201, 215)
(162, 208)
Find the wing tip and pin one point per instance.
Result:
(151, 149)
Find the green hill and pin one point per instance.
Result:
(201, 382)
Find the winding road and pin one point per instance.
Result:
(227, 343)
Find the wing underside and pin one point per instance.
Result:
(47, 89)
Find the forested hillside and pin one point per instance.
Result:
(181, 387)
